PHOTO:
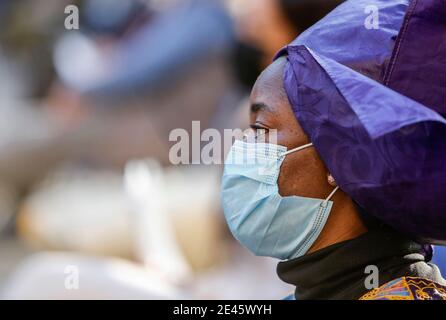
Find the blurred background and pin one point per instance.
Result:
(90, 207)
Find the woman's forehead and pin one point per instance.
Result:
(269, 84)
(273, 74)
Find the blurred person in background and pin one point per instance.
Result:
(129, 58)
(66, 141)
(342, 178)
(265, 26)
(113, 84)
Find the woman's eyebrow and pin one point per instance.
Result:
(260, 106)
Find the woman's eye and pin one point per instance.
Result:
(258, 127)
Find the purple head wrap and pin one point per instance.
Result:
(373, 103)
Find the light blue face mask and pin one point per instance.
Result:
(258, 216)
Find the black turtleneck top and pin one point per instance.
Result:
(338, 271)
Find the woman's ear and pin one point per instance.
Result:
(331, 180)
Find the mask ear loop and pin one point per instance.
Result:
(325, 203)
(297, 149)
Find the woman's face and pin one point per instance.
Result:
(302, 173)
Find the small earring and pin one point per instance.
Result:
(331, 180)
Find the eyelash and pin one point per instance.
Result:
(258, 127)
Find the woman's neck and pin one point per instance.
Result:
(339, 271)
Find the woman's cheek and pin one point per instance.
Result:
(288, 182)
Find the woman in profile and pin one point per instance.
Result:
(345, 182)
